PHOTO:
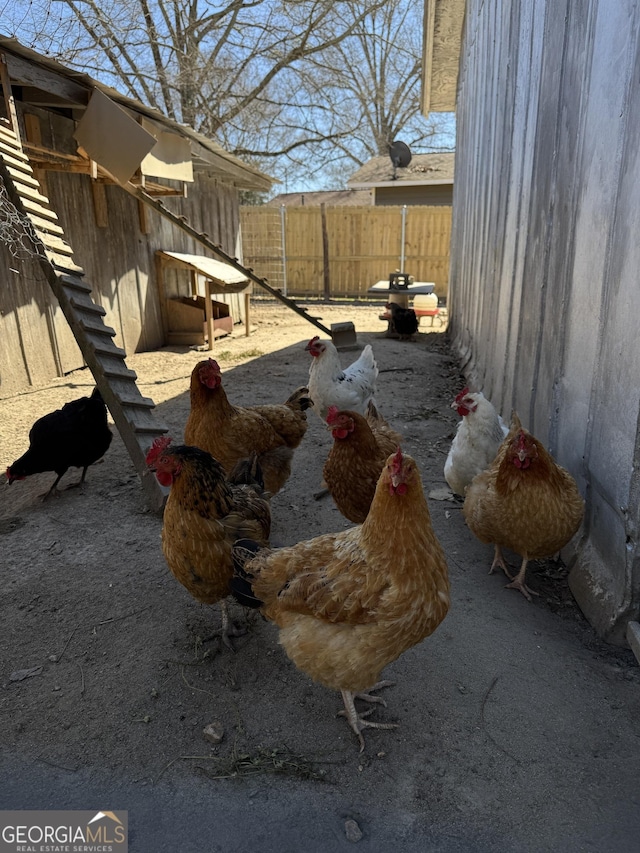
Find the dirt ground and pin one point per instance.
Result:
(518, 728)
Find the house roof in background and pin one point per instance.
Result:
(423, 169)
(337, 198)
(47, 84)
(442, 41)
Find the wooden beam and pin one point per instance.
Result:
(34, 135)
(208, 313)
(100, 209)
(9, 102)
(25, 72)
(143, 218)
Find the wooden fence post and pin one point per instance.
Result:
(325, 253)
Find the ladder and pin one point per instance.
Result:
(132, 413)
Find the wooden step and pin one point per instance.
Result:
(22, 176)
(74, 282)
(137, 402)
(95, 326)
(118, 370)
(102, 346)
(92, 309)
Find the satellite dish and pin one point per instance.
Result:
(400, 155)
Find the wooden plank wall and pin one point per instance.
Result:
(117, 253)
(545, 257)
(364, 246)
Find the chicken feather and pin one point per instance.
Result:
(525, 502)
(204, 515)
(476, 442)
(230, 433)
(360, 450)
(349, 603)
(77, 435)
(330, 385)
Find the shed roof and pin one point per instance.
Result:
(424, 169)
(227, 276)
(46, 83)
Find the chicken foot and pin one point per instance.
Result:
(498, 561)
(519, 584)
(376, 700)
(56, 492)
(359, 721)
(228, 629)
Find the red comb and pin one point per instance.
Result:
(398, 459)
(161, 443)
(462, 395)
(332, 414)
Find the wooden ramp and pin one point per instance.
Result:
(132, 413)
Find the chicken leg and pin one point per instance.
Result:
(518, 582)
(498, 560)
(359, 721)
(228, 629)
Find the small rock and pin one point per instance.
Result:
(352, 831)
(214, 732)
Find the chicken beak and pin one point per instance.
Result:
(522, 455)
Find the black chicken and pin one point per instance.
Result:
(76, 435)
(403, 322)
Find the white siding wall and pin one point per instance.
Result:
(545, 261)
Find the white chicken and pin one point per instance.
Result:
(330, 385)
(476, 442)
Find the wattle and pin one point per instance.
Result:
(164, 478)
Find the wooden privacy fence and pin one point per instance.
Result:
(342, 251)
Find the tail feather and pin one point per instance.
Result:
(300, 399)
(247, 472)
(372, 414)
(244, 550)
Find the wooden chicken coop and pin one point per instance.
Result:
(191, 314)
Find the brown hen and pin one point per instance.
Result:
(203, 517)
(525, 502)
(359, 453)
(349, 603)
(230, 433)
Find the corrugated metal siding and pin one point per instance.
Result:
(545, 256)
